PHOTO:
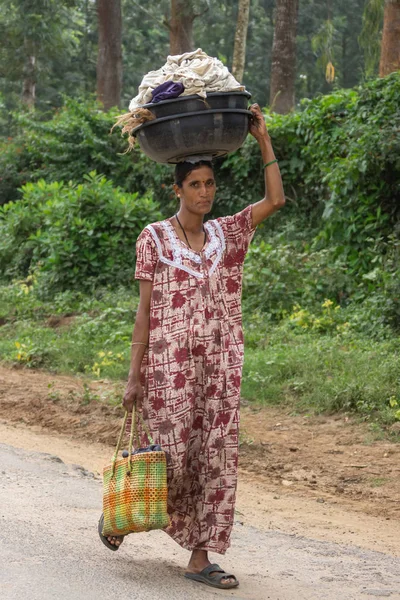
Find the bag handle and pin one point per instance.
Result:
(133, 434)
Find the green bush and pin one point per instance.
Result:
(325, 373)
(308, 362)
(281, 273)
(73, 236)
(340, 161)
(69, 332)
(74, 142)
(283, 277)
(339, 156)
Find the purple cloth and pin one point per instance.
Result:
(167, 90)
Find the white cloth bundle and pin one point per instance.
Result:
(198, 72)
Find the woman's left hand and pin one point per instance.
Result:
(257, 126)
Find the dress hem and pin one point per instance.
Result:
(208, 548)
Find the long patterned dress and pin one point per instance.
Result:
(192, 371)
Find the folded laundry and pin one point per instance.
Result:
(195, 158)
(166, 91)
(196, 71)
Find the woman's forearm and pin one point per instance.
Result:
(141, 329)
(272, 176)
(140, 334)
(274, 197)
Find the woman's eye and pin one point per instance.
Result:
(210, 183)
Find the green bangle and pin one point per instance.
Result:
(270, 163)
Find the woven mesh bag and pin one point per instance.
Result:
(135, 489)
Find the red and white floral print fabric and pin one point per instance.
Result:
(192, 371)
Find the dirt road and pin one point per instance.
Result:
(296, 534)
(50, 550)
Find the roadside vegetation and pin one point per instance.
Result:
(321, 290)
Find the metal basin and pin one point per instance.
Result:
(184, 104)
(212, 132)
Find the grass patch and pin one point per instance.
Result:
(378, 481)
(326, 373)
(286, 364)
(95, 342)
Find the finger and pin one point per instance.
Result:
(128, 402)
(257, 118)
(128, 407)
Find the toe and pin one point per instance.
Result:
(115, 541)
(224, 580)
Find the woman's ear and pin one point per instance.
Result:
(177, 190)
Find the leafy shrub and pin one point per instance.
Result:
(329, 320)
(325, 373)
(72, 331)
(279, 275)
(339, 157)
(74, 236)
(340, 162)
(74, 142)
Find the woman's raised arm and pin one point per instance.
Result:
(274, 197)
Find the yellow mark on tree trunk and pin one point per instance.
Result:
(330, 72)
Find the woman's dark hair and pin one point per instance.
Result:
(183, 169)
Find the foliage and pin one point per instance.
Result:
(72, 332)
(339, 158)
(323, 42)
(75, 141)
(371, 34)
(285, 273)
(340, 162)
(63, 37)
(313, 368)
(73, 236)
(279, 275)
(330, 319)
(325, 373)
(49, 31)
(363, 178)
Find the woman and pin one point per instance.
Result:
(187, 353)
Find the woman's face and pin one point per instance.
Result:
(198, 191)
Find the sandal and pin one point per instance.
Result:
(214, 580)
(104, 539)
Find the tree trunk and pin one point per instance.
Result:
(283, 69)
(181, 26)
(109, 57)
(239, 50)
(390, 48)
(28, 95)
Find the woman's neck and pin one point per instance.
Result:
(190, 222)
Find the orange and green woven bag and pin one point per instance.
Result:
(135, 488)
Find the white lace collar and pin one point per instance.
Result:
(214, 245)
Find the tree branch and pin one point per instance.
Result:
(148, 13)
(202, 13)
(167, 23)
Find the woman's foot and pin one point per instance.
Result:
(112, 542)
(199, 561)
(115, 540)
